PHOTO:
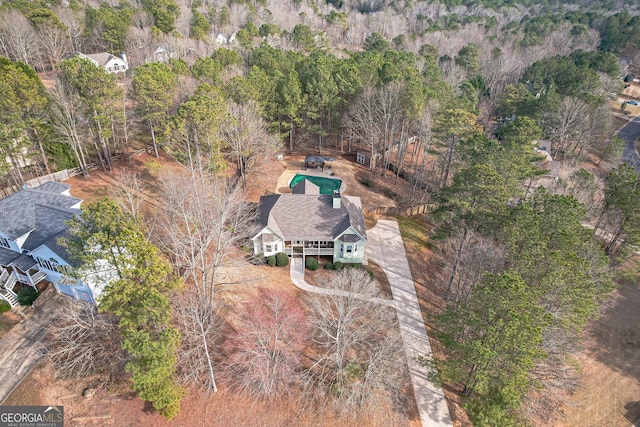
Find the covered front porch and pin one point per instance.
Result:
(301, 248)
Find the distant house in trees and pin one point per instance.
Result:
(543, 148)
(307, 223)
(111, 63)
(161, 55)
(31, 222)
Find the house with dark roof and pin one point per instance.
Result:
(31, 222)
(307, 223)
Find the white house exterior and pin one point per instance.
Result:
(32, 221)
(111, 63)
(307, 223)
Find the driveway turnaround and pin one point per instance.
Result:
(21, 348)
(392, 258)
(385, 248)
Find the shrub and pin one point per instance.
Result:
(27, 295)
(271, 260)
(338, 266)
(282, 260)
(366, 182)
(328, 266)
(245, 249)
(311, 263)
(259, 259)
(370, 273)
(4, 306)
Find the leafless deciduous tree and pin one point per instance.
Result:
(248, 138)
(84, 343)
(19, 39)
(568, 125)
(265, 351)
(360, 363)
(376, 119)
(54, 42)
(75, 26)
(65, 118)
(199, 227)
(129, 189)
(200, 330)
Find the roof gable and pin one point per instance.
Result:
(310, 216)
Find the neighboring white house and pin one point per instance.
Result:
(111, 63)
(31, 222)
(307, 223)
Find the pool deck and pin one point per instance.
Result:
(288, 175)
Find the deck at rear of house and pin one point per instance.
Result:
(12, 280)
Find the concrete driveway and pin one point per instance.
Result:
(385, 248)
(630, 133)
(21, 349)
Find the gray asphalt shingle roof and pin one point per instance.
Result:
(310, 216)
(305, 187)
(54, 187)
(20, 211)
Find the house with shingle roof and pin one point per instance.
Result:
(307, 223)
(111, 63)
(32, 221)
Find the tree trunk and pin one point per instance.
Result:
(42, 153)
(153, 140)
(457, 261)
(448, 165)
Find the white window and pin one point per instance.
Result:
(349, 249)
(268, 248)
(52, 265)
(116, 67)
(4, 243)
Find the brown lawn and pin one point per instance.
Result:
(7, 321)
(609, 394)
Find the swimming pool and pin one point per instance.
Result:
(327, 185)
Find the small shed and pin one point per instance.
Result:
(364, 159)
(314, 162)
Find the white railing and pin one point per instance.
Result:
(318, 251)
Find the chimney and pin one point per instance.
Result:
(337, 201)
(126, 63)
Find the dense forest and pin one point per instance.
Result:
(456, 93)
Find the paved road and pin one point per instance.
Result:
(20, 349)
(385, 247)
(630, 132)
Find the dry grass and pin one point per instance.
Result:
(7, 321)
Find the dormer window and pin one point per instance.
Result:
(4, 243)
